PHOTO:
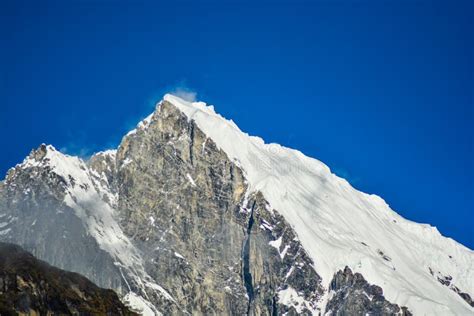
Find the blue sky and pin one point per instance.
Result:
(381, 91)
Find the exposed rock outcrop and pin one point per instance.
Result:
(205, 238)
(351, 294)
(447, 281)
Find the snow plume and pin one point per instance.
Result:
(343, 173)
(185, 93)
(78, 150)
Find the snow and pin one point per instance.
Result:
(109, 152)
(138, 304)
(289, 272)
(178, 255)
(266, 225)
(152, 220)
(126, 161)
(191, 180)
(283, 253)
(332, 219)
(290, 297)
(143, 125)
(276, 243)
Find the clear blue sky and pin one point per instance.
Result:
(381, 91)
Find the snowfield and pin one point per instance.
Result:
(339, 225)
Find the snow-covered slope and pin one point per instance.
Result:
(340, 226)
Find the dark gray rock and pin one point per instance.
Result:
(351, 294)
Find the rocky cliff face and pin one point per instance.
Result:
(171, 223)
(32, 287)
(206, 238)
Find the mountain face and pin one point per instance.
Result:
(189, 215)
(32, 287)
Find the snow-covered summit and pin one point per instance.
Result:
(339, 225)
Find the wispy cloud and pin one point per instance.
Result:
(79, 146)
(343, 173)
(77, 150)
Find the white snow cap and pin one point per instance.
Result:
(339, 225)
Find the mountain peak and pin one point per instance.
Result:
(39, 153)
(48, 155)
(323, 208)
(189, 105)
(186, 149)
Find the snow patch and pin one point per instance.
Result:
(126, 162)
(190, 179)
(137, 304)
(276, 243)
(142, 125)
(266, 225)
(152, 220)
(178, 255)
(285, 250)
(109, 152)
(289, 297)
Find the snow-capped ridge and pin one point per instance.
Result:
(340, 226)
(48, 155)
(108, 152)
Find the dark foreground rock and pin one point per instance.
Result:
(32, 287)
